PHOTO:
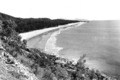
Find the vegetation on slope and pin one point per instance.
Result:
(29, 24)
(44, 66)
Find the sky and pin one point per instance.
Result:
(66, 9)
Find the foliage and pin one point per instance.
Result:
(30, 24)
(47, 75)
(43, 65)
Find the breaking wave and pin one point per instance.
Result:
(50, 46)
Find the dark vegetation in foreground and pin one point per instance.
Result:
(44, 66)
(30, 24)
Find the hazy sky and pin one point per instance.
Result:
(69, 9)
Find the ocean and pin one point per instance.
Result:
(99, 40)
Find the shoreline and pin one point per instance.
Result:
(51, 47)
(28, 35)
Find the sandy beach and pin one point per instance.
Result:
(50, 46)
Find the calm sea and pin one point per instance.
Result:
(99, 40)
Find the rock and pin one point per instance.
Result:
(16, 71)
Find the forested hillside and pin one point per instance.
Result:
(29, 24)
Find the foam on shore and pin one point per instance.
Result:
(50, 46)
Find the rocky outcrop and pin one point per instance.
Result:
(11, 69)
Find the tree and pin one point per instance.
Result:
(25, 42)
(1, 24)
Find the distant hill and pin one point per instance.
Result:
(30, 24)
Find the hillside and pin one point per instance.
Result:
(21, 63)
(30, 24)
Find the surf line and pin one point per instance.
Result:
(50, 46)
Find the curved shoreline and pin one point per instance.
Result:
(50, 46)
(28, 35)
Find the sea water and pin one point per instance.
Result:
(99, 40)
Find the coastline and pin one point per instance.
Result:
(51, 47)
(28, 35)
